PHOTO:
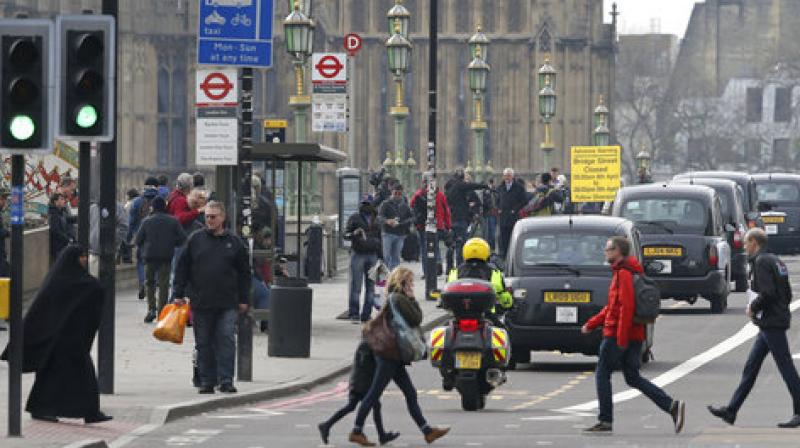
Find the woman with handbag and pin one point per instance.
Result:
(390, 366)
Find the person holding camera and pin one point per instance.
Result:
(395, 218)
(364, 234)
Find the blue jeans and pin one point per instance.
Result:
(460, 237)
(630, 359)
(139, 266)
(768, 340)
(387, 370)
(261, 294)
(215, 342)
(360, 265)
(423, 251)
(392, 249)
(490, 230)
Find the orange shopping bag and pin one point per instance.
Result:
(172, 323)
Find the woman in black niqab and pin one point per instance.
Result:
(59, 329)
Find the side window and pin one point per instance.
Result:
(718, 224)
(637, 246)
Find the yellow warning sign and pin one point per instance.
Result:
(595, 173)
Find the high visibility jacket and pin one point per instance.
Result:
(482, 271)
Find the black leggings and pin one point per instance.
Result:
(352, 402)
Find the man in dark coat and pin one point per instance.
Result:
(140, 209)
(457, 190)
(511, 198)
(770, 294)
(61, 232)
(215, 264)
(59, 330)
(364, 234)
(157, 239)
(395, 218)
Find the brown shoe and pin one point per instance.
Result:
(436, 433)
(360, 438)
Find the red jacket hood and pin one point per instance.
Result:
(630, 263)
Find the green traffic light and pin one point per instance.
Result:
(22, 127)
(87, 116)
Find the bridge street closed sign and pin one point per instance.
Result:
(595, 172)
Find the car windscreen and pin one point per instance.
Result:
(553, 248)
(778, 192)
(667, 215)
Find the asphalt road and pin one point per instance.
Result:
(698, 358)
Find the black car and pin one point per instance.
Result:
(746, 181)
(779, 200)
(732, 202)
(560, 278)
(683, 239)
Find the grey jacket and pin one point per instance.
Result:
(94, 227)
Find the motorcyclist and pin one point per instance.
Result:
(476, 265)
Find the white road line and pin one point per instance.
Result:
(796, 356)
(670, 376)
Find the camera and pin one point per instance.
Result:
(376, 178)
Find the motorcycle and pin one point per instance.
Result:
(470, 353)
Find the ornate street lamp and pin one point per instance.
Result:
(478, 72)
(479, 41)
(547, 106)
(398, 50)
(303, 5)
(602, 136)
(643, 164)
(400, 14)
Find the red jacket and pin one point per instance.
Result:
(442, 209)
(616, 317)
(178, 206)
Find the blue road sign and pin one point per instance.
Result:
(235, 32)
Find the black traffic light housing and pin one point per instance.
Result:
(85, 87)
(26, 85)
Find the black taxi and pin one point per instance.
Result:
(779, 201)
(683, 240)
(746, 181)
(731, 199)
(557, 271)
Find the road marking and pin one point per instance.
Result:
(193, 437)
(796, 356)
(746, 333)
(574, 381)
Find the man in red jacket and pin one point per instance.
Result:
(622, 340)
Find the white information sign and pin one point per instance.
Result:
(329, 112)
(217, 136)
(329, 99)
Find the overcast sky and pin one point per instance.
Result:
(646, 16)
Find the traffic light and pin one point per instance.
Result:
(26, 82)
(85, 88)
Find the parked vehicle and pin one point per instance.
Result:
(684, 245)
(560, 278)
(470, 353)
(779, 199)
(732, 202)
(748, 184)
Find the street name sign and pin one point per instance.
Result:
(217, 133)
(329, 99)
(595, 173)
(235, 32)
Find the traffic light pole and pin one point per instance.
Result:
(15, 312)
(244, 367)
(430, 224)
(84, 188)
(108, 221)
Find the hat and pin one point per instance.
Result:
(151, 181)
(159, 204)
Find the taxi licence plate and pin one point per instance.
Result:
(567, 297)
(773, 219)
(468, 360)
(663, 251)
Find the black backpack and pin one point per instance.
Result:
(647, 297)
(410, 251)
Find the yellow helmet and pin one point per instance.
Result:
(476, 248)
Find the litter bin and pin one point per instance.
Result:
(289, 318)
(314, 253)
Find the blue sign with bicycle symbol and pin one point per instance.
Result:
(235, 32)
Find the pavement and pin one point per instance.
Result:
(698, 358)
(153, 379)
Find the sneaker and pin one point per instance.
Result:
(150, 316)
(228, 389)
(388, 437)
(360, 438)
(324, 432)
(206, 390)
(599, 427)
(436, 433)
(678, 413)
(793, 423)
(722, 412)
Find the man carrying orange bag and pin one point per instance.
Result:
(215, 268)
(172, 323)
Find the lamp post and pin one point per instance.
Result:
(643, 166)
(602, 135)
(398, 50)
(547, 107)
(299, 35)
(478, 71)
